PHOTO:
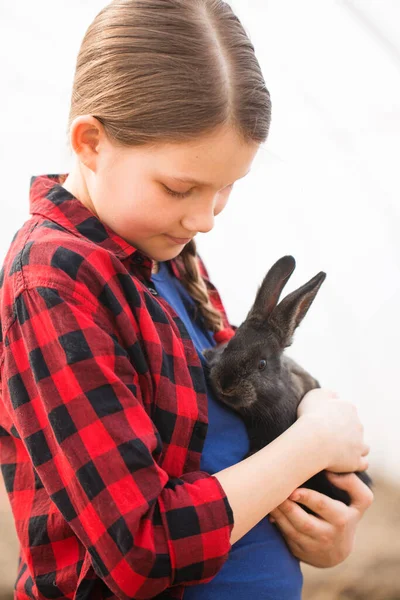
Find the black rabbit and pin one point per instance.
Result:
(251, 375)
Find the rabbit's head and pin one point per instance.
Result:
(250, 367)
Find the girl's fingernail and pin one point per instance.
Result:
(295, 497)
(272, 520)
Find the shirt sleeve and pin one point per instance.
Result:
(73, 393)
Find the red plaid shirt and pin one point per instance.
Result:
(103, 416)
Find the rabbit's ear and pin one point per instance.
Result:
(208, 353)
(270, 289)
(291, 310)
(212, 354)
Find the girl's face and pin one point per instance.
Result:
(139, 192)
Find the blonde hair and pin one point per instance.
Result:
(159, 71)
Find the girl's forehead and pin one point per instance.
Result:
(206, 160)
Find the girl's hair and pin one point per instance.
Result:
(159, 71)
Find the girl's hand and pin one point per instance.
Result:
(336, 422)
(327, 540)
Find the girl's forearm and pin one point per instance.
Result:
(259, 483)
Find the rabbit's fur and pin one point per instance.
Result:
(251, 375)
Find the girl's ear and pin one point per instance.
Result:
(291, 310)
(269, 291)
(86, 133)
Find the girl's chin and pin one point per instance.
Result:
(165, 251)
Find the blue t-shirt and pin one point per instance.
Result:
(259, 565)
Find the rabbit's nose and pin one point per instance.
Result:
(227, 387)
(228, 392)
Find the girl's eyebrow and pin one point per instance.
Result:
(197, 182)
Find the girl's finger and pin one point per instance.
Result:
(360, 494)
(286, 526)
(308, 525)
(325, 507)
(365, 450)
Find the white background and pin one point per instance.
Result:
(324, 188)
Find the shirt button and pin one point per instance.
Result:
(138, 259)
(153, 291)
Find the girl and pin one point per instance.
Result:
(126, 477)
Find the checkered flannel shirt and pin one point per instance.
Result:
(103, 416)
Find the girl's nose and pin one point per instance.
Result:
(201, 218)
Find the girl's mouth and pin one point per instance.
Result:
(178, 240)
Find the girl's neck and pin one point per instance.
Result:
(75, 184)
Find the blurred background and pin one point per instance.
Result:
(324, 188)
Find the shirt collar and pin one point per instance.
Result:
(50, 200)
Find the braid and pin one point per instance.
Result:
(196, 286)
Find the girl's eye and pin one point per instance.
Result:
(262, 364)
(186, 194)
(177, 194)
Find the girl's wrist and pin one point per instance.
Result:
(319, 439)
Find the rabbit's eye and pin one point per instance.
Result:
(262, 364)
